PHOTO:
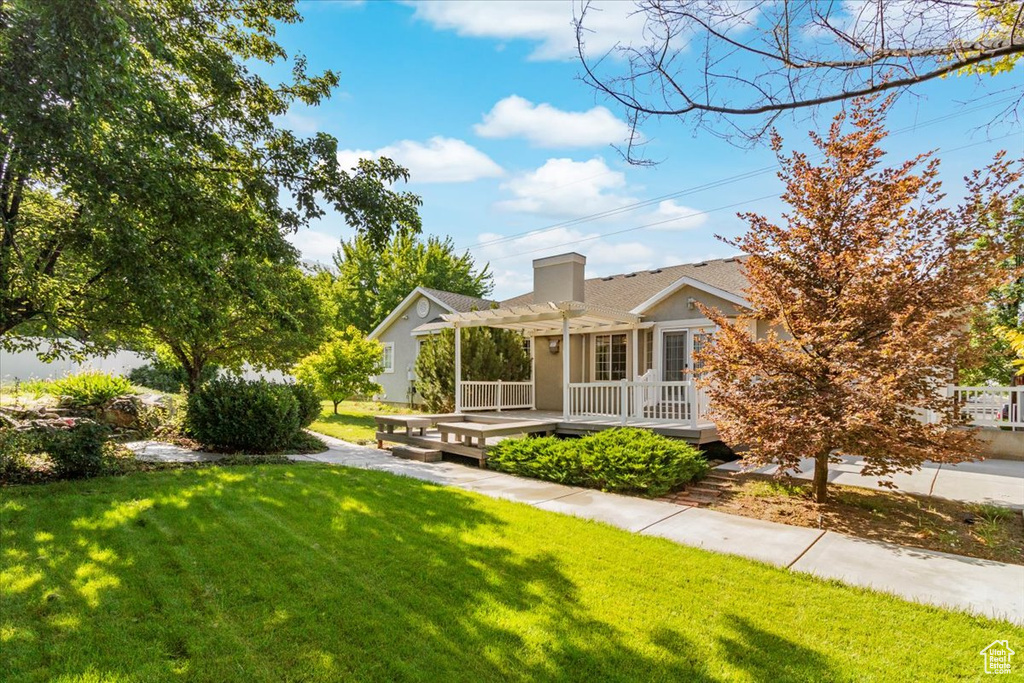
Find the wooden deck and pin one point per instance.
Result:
(423, 431)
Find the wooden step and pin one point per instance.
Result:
(416, 453)
(695, 499)
(703, 490)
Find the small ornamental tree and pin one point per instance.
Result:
(869, 285)
(342, 367)
(487, 355)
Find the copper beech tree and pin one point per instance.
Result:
(868, 285)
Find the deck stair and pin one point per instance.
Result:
(706, 491)
(416, 453)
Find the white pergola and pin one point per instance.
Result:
(544, 319)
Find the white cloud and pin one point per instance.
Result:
(546, 23)
(439, 160)
(315, 246)
(567, 188)
(511, 259)
(547, 126)
(672, 216)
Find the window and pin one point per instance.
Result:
(610, 357)
(389, 357)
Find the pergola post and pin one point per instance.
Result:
(636, 375)
(565, 367)
(533, 373)
(458, 368)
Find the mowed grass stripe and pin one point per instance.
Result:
(308, 572)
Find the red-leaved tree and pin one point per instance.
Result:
(869, 284)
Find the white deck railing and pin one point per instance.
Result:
(641, 401)
(991, 406)
(646, 400)
(497, 395)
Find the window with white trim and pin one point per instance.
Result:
(388, 360)
(610, 357)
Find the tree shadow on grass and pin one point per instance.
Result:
(302, 573)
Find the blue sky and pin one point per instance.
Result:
(483, 102)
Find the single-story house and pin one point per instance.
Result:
(620, 347)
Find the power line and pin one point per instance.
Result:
(728, 180)
(697, 213)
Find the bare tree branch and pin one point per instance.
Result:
(742, 64)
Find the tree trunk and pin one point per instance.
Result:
(336, 406)
(195, 374)
(821, 476)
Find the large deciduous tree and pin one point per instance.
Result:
(227, 307)
(732, 68)
(371, 282)
(869, 285)
(134, 126)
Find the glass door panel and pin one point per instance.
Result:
(674, 366)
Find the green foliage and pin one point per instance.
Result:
(90, 388)
(234, 414)
(136, 134)
(341, 367)
(309, 403)
(168, 376)
(372, 281)
(623, 460)
(81, 451)
(15, 448)
(994, 357)
(250, 306)
(487, 355)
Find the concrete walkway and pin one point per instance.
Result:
(998, 482)
(983, 587)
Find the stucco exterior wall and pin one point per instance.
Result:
(676, 307)
(397, 384)
(548, 370)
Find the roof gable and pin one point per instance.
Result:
(449, 301)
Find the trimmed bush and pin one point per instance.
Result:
(234, 414)
(78, 452)
(623, 460)
(309, 403)
(90, 389)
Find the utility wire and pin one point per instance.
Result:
(696, 213)
(626, 208)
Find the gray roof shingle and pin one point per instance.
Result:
(626, 291)
(460, 303)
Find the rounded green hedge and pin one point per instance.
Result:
(309, 403)
(235, 414)
(623, 460)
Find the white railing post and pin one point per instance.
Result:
(458, 369)
(691, 396)
(623, 402)
(499, 397)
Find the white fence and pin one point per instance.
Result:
(991, 406)
(496, 395)
(641, 401)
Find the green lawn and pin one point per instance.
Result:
(354, 421)
(308, 572)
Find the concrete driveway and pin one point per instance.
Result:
(998, 482)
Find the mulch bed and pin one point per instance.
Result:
(974, 530)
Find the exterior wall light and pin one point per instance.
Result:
(554, 344)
